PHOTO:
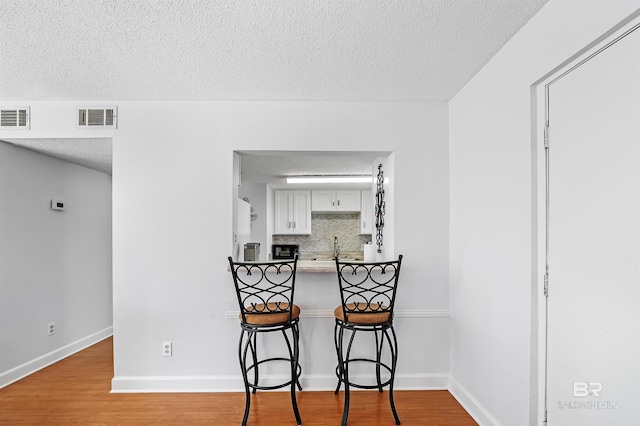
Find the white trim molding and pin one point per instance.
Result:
(180, 384)
(11, 376)
(407, 313)
(475, 409)
(233, 383)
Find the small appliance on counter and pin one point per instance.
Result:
(369, 252)
(284, 251)
(251, 252)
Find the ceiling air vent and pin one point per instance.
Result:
(98, 117)
(14, 118)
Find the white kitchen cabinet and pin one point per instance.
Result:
(348, 200)
(366, 213)
(292, 212)
(335, 201)
(323, 201)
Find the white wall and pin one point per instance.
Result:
(54, 266)
(172, 230)
(493, 239)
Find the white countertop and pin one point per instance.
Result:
(323, 265)
(316, 266)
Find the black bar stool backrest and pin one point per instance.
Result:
(265, 288)
(368, 288)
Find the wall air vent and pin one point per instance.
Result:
(15, 118)
(99, 117)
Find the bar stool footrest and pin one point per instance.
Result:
(277, 386)
(361, 386)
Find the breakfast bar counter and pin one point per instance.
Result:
(322, 265)
(316, 266)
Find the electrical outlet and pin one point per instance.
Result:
(167, 349)
(52, 328)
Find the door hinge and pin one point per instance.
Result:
(546, 284)
(546, 136)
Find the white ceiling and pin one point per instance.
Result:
(273, 166)
(306, 50)
(92, 153)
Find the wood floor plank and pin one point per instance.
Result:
(75, 391)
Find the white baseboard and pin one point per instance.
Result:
(11, 376)
(476, 410)
(315, 382)
(421, 382)
(175, 384)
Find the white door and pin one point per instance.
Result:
(593, 317)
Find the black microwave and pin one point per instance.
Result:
(283, 251)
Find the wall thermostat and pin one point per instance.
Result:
(57, 205)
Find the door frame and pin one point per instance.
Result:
(540, 210)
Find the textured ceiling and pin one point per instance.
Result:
(273, 166)
(92, 153)
(355, 50)
(289, 50)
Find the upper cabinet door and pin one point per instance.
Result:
(348, 201)
(323, 201)
(301, 212)
(292, 212)
(282, 214)
(335, 201)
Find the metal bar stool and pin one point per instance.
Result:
(367, 293)
(265, 296)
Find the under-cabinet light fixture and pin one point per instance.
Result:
(330, 179)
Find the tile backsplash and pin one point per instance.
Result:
(324, 227)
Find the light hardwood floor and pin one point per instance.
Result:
(75, 391)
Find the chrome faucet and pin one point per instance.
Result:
(336, 248)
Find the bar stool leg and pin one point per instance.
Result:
(254, 352)
(347, 395)
(294, 372)
(339, 371)
(242, 354)
(295, 333)
(379, 346)
(297, 348)
(394, 359)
